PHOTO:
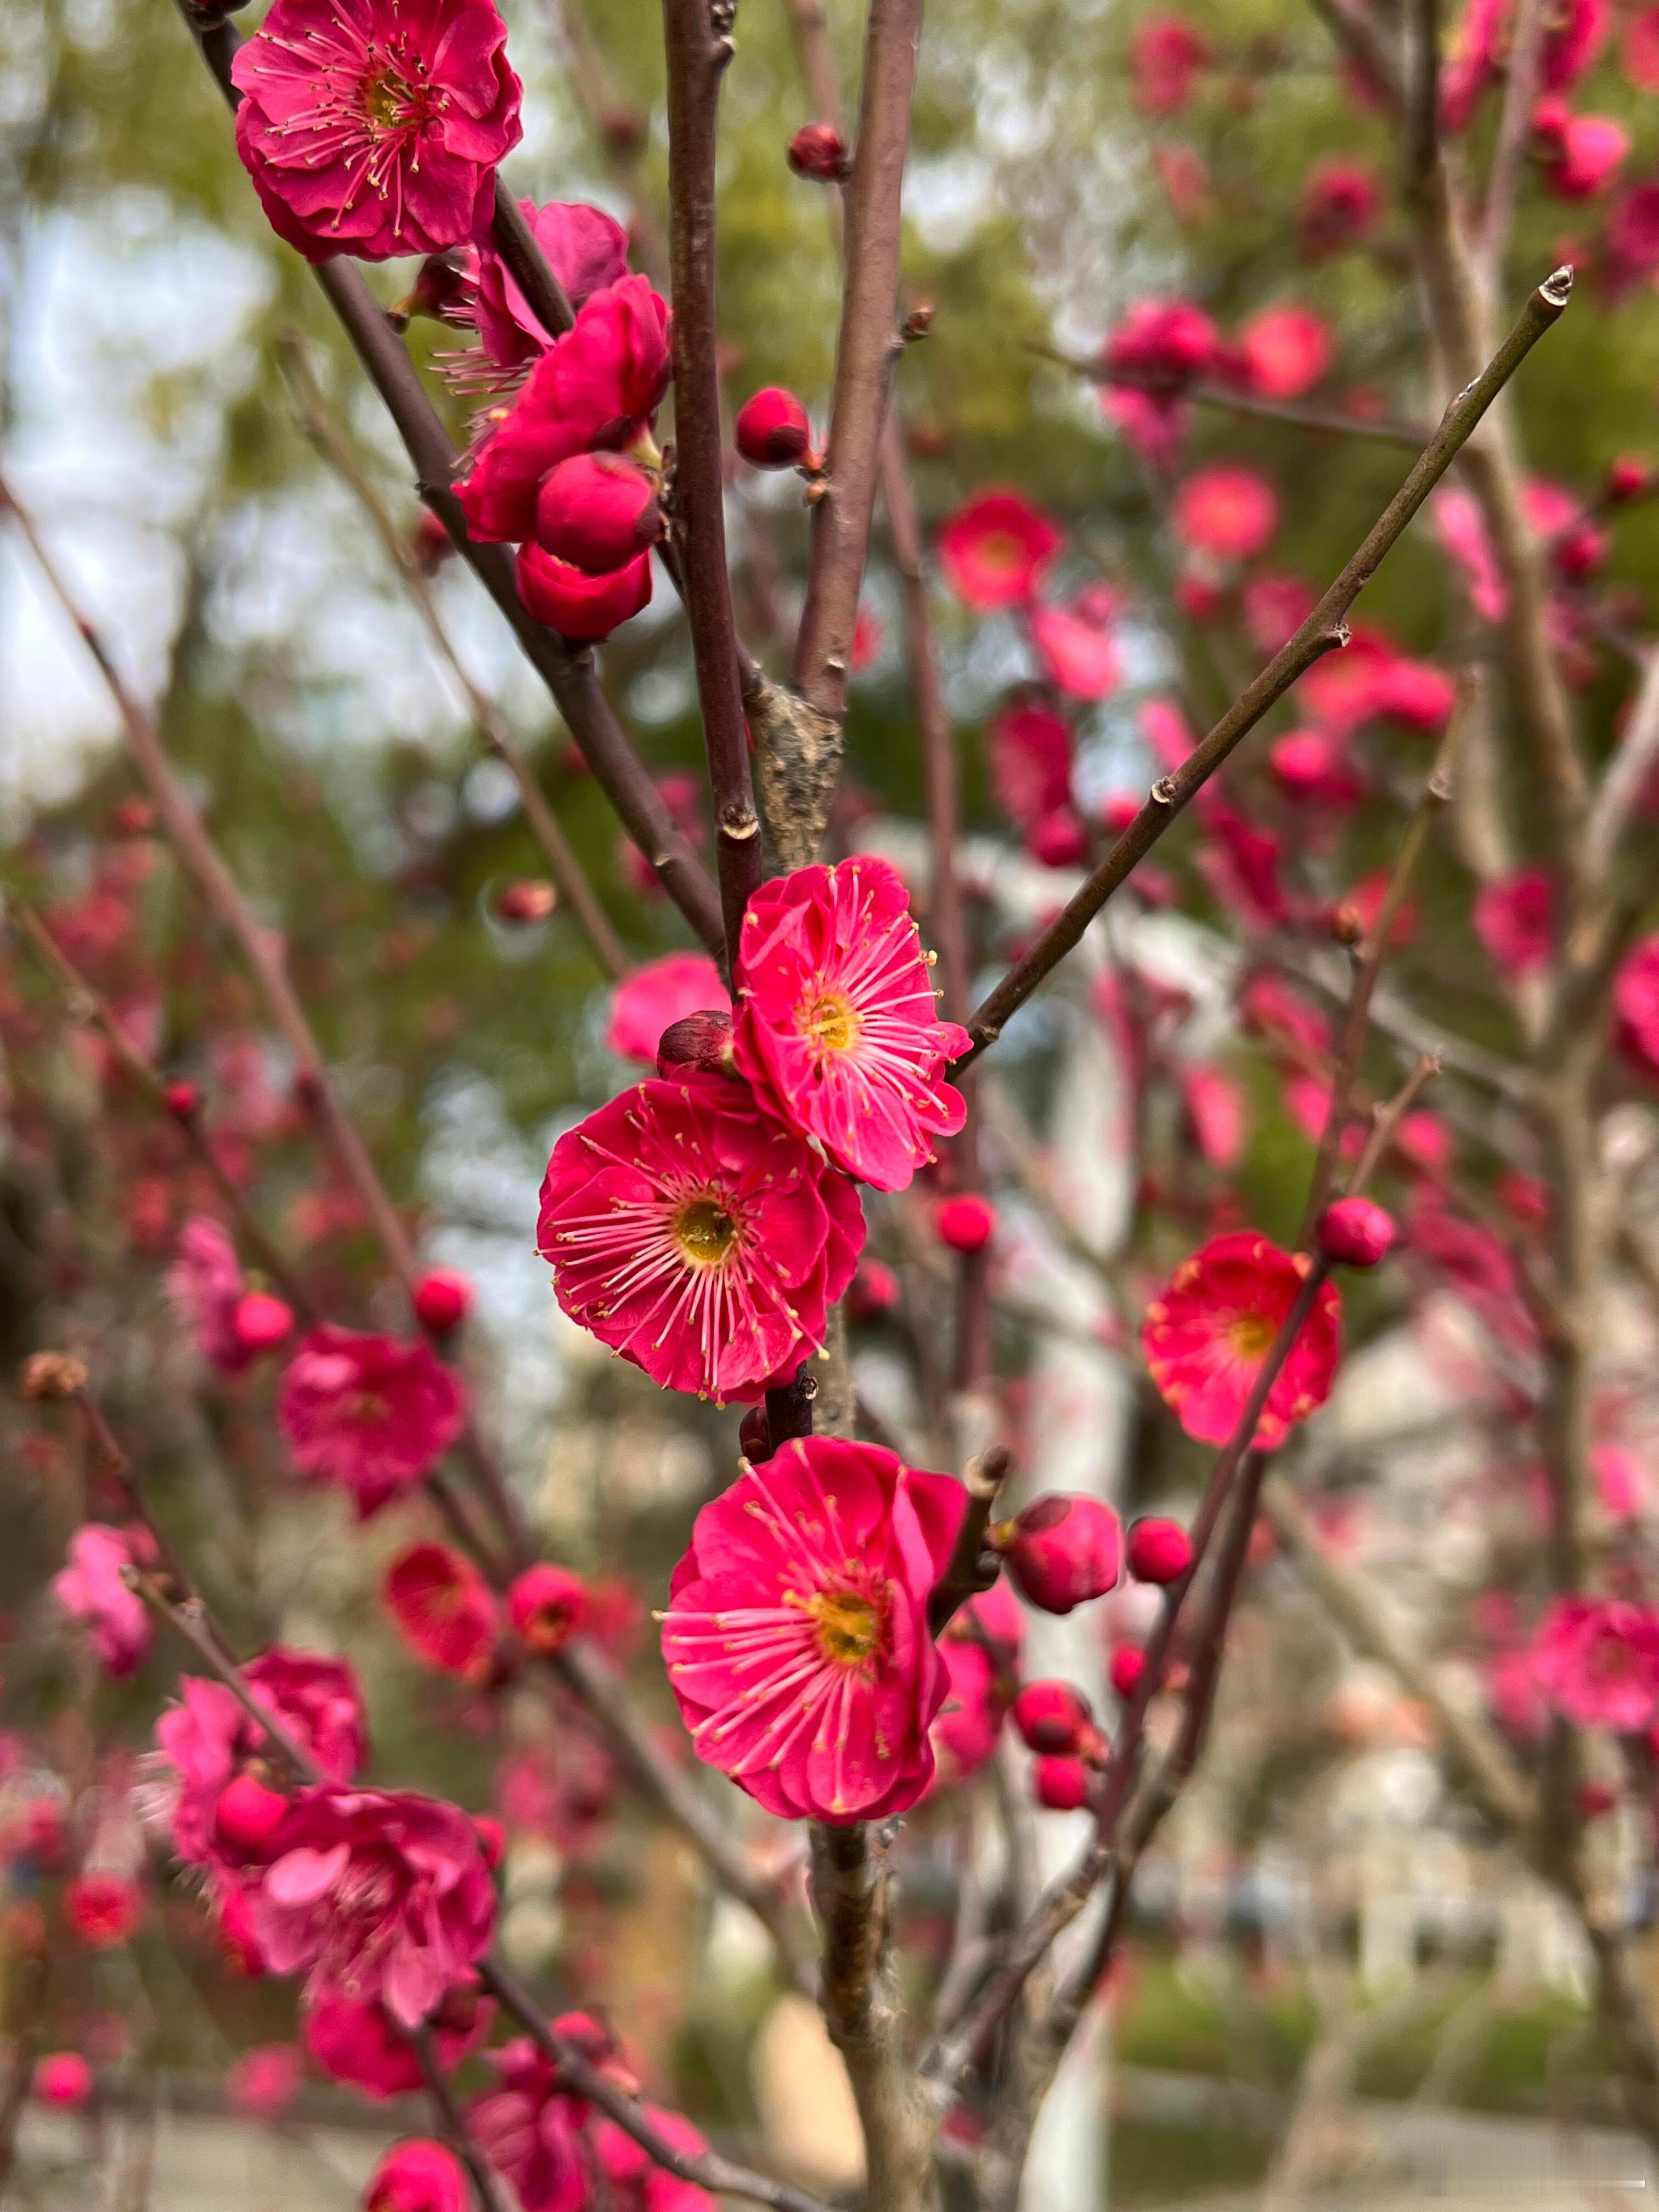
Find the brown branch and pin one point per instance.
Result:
(677, 1793)
(963, 1578)
(866, 352)
(568, 672)
(327, 436)
(262, 951)
(1614, 813)
(1527, 36)
(1322, 632)
(516, 243)
(699, 49)
(708, 2171)
(83, 1002)
(1355, 29)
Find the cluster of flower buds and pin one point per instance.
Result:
(1055, 1721)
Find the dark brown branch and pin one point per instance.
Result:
(515, 242)
(1323, 631)
(963, 1578)
(866, 353)
(567, 671)
(332, 443)
(698, 53)
(709, 2170)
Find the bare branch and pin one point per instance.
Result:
(1323, 631)
(515, 242)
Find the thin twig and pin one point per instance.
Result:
(516, 243)
(983, 1478)
(1323, 631)
(459, 2134)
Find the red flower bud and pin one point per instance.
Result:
(62, 2078)
(755, 1436)
(700, 1040)
(545, 1606)
(442, 1300)
(430, 544)
(773, 431)
(578, 606)
(1628, 477)
(966, 1222)
(1356, 1232)
(1064, 1550)
(818, 150)
(1052, 1717)
(1058, 840)
(1061, 1784)
(182, 1099)
(261, 1322)
(1128, 1664)
(527, 899)
(598, 511)
(247, 1814)
(1158, 1551)
(134, 818)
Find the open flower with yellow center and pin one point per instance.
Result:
(691, 1232)
(836, 1028)
(1206, 1337)
(796, 1637)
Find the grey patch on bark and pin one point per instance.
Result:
(798, 754)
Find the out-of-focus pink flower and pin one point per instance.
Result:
(1166, 54)
(597, 388)
(547, 1605)
(1058, 841)
(967, 1725)
(796, 1638)
(90, 1589)
(585, 248)
(378, 1894)
(663, 992)
(1514, 919)
(1206, 1337)
(1286, 351)
(1513, 1693)
(1271, 1008)
(1597, 1661)
(262, 2083)
(102, 1910)
(993, 1619)
(697, 1236)
(532, 2130)
(1572, 38)
(419, 2176)
(635, 2182)
(62, 2078)
(1581, 154)
(1632, 233)
(1151, 360)
(361, 2043)
(443, 1609)
(836, 1027)
(209, 1740)
(367, 1412)
(1168, 733)
(1078, 656)
(1414, 692)
(966, 1222)
(1215, 1107)
(1185, 179)
(1275, 608)
(1576, 545)
(1639, 50)
(1621, 1488)
(1312, 766)
(1636, 1006)
(995, 549)
(205, 1284)
(1472, 55)
(1340, 206)
(1240, 863)
(1230, 512)
(372, 130)
(1029, 758)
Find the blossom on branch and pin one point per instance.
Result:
(796, 1637)
(585, 248)
(836, 1028)
(995, 549)
(91, 1590)
(1206, 1338)
(368, 1412)
(694, 1234)
(374, 127)
(1597, 1661)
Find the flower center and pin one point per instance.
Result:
(705, 1231)
(364, 1405)
(1000, 549)
(832, 1021)
(1250, 1335)
(848, 1625)
(387, 101)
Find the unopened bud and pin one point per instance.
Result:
(181, 1098)
(261, 1322)
(1355, 1232)
(819, 151)
(442, 1299)
(773, 430)
(1158, 1551)
(1061, 1783)
(966, 1222)
(701, 1040)
(1063, 1550)
(1128, 1664)
(1053, 1718)
(529, 898)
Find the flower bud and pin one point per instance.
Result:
(700, 1040)
(527, 899)
(492, 1838)
(1061, 1784)
(545, 1606)
(598, 511)
(819, 151)
(1628, 477)
(755, 1436)
(430, 543)
(247, 1814)
(261, 1322)
(1355, 1232)
(135, 817)
(419, 2176)
(1128, 1664)
(773, 431)
(1158, 1551)
(1053, 1718)
(576, 605)
(182, 1099)
(1063, 1550)
(966, 1222)
(442, 1299)
(62, 2078)
(872, 1293)
(1057, 840)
